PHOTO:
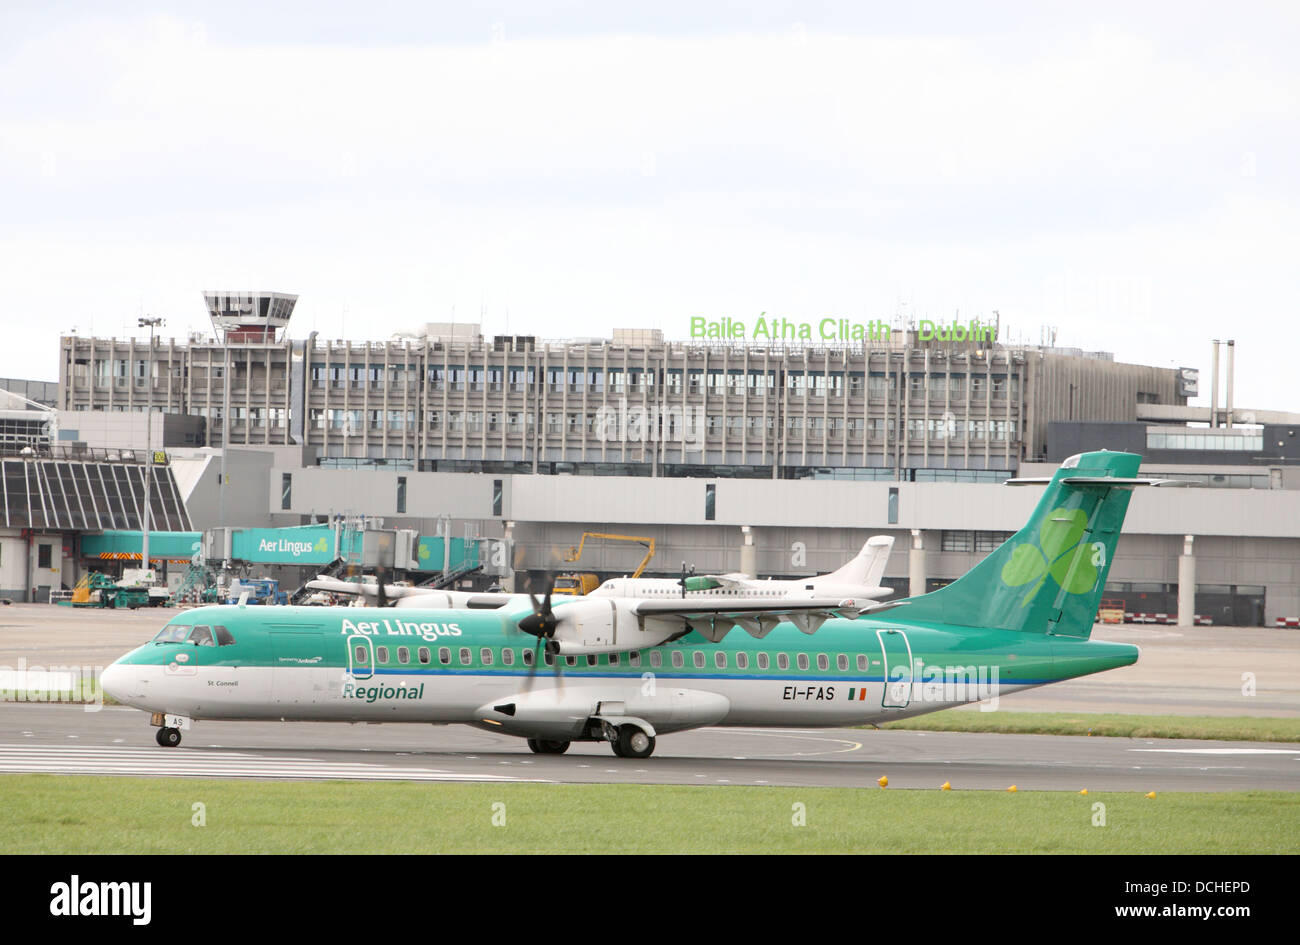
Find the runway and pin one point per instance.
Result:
(65, 739)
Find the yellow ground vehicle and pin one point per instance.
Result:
(576, 583)
(1111, 610)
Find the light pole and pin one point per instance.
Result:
(151, 324)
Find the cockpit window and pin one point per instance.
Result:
(202, 636)
(173, 633)
(223, 637)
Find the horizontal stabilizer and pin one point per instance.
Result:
(1108, 482)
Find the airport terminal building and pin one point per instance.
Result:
(526, 443)
(633, 404)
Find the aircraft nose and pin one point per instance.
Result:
(112, 681)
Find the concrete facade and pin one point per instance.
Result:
(460, 402)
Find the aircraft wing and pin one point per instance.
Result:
(732, 579)
(743, 606)
(414, 597)
(338, 586)
(757, 616)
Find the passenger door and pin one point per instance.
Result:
(299, 674)
(897, 666)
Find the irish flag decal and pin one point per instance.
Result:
(857, 695)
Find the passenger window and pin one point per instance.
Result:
(444, 655)
(720, 660)
(763, 661)
(381, 654)
(571, 660)
(634, 658)
(782, 661)
(742, 661)
(362, 656)
(403, 655)
(656, 659)
(508, 656)
(529, 657)
(202, 636)
(802, 660)
(613, 659)
(465, 658)
(823, 662)
(485, 655)
(698, 659)
(423, 654)
(591, 659)
(223, 637)
(842, 662)
(678, 660)
(862, 662)
(548, 658)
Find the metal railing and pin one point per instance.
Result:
(91, 454)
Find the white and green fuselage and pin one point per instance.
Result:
(373, 665)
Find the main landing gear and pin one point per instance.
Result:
(628, 741)
(633, 743)
(168, 737)
(548, 746)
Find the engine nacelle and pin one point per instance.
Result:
(565, 713)
(606, 625)
(427, 600)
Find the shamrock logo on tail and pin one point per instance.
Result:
(1056, 553)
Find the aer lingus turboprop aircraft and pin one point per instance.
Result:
(626, 670)
(860, 578)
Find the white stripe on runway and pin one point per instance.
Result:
(1222, 751)
(178, 762)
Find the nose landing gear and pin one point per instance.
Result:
(169, 728)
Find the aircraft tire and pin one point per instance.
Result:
(633, 743)
(548, 746)
(168, 737)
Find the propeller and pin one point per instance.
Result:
(542, 623)
(682, 579)
(383, 595)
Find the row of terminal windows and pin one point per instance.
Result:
(699, 659)
(1205, 441)
(978, 542)
(636, 426)
(577, 380)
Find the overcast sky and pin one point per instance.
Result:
(1127, 177)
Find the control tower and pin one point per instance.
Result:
(249, 317)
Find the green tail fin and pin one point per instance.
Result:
(1049, 576)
